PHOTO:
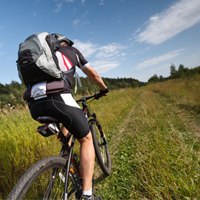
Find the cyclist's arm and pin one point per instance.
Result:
(94, 76)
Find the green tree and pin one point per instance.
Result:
(172, 70)
(181, 68)
(161, 79)
(135, 84)
(180, 72)
(153, 79)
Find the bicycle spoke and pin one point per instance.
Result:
(46, 180)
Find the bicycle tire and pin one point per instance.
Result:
(37, 182)
(101, 148)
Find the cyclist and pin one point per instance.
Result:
(54, 98)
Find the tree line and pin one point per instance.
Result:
(11, 94)
(181, 72)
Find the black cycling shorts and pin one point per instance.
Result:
(64, 108)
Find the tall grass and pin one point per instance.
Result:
(21, 147)
(184, 92)
(155, 157)
(155, 153)
(111, 110)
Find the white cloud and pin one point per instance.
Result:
(106, 57)
(101, 3)
(109, 50)
(87, 48)
(102, 66)
(59, 6)
(75, 22)
(159, 59)
(86, 22)
(180, 16)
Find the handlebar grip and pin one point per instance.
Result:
(97, 96)
(102, 92)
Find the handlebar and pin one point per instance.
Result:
(95, 96)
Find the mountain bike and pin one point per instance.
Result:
(56, 177)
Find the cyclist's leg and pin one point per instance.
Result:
(87, 157)
(65, 133)
(66, 110)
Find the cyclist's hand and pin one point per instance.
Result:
(104, 92)
(101, 93)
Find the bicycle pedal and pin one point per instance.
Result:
(62, 177)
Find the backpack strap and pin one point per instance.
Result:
(77, 78)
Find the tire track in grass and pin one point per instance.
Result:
(117, 138)
(119, 178)
(150, 116)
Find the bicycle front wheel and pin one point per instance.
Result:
(46, 180)
(101, 147)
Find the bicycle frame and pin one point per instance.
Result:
(70, 155)
(69, 148)
(91, 116)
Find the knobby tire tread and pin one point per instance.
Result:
(33, 173)
(106, 169)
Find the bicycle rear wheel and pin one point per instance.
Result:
(101, 147)
(45, 180)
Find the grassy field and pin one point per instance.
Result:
(153, 134)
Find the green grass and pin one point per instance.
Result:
(154, 157)
(154, 143)
(21, 147)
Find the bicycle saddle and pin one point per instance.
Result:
(46, 119)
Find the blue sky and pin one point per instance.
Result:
(119, 38)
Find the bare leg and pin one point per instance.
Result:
(87, 156)
(65, 133)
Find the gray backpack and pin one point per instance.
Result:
(36, 59)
